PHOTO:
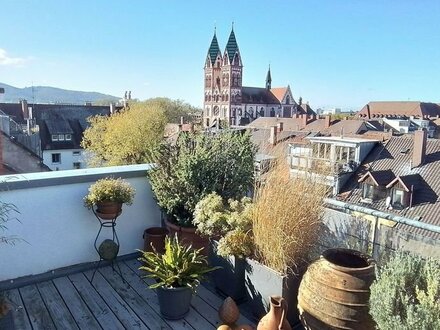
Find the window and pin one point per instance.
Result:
(287, 99)
(76, 153)
(398, 198)
(272, 112)
(61, 137)
(54, 137)
(68, 137)
(368, 191)
(56, 158)
(76, 165)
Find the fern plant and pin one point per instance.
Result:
(406, 294)
(179, 266)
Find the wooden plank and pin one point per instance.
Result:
(37, 311)
(119, 307)
(96, 304)
(137, 304)
(208, 312)
(21, 320)
(55, 305)
(149, 296)
(77, 307)
(196, 320)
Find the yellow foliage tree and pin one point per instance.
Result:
(127, 137)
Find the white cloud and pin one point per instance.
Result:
(7, 60)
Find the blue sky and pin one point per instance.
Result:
(332, 53)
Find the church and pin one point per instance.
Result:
(227, 101)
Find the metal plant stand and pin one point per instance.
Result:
(109, 248)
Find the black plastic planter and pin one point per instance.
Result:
(174, 303)
(230, 279)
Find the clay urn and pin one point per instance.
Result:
(275, 319)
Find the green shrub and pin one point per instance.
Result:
(111, 190)
(237, 243)
(197, 165)
(406, 294)
(179, 266)
(214, 217)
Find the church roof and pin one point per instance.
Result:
(231, 46)
(258, 95)
(279, 92)
(214, 49)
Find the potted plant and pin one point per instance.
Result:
(228, 224)
(108, 195)
(286, 228)
(406, 293)
(195, 166)
(177, 272)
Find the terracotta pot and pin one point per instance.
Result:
(108, 210)
(275, 319)
(188, 236)
(335, 291)
(155, 237)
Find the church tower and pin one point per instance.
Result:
(268, 80)
(213, 66)
(223, 83)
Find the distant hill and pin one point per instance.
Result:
(45, 94)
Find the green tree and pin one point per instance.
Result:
(173, 109)
(199, 164)
(127, 137)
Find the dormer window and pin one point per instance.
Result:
(54, 137)
(368, 191)
(61, 137)
(68, 137)
(398, 198)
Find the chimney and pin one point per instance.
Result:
(112, 108)
(368, 112)
(304, 120)
(181, 120)
(280, 127)
(419, 148)
(273, 135)
(328, 120)
(24, 109)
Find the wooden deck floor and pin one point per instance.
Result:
(74, 302)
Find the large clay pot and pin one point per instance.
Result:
(108, 210)
(335, 291)
(155, 237)
(188, 236)
(275, 319)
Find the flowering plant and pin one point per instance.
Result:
(109, 190)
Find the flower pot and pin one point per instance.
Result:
(155, 237)
(230, 279)
(108, 210)
(263, 282)
(188, 236)
(335, 291)
(174, 303)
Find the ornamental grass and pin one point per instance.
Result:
(287, 219)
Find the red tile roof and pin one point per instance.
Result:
(399, 108)
(279, 92)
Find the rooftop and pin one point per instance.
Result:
(74, 301)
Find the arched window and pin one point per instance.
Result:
(262, 112)
(272, 112)
(227, 97)
(287, 99)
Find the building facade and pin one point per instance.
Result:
(227, 101)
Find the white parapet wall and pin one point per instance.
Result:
(54, 227)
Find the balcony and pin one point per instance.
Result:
(47, 275)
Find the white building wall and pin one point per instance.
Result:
(67, 159)
(55, 227)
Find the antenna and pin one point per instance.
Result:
(33, 93)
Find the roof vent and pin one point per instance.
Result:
(405, 151)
